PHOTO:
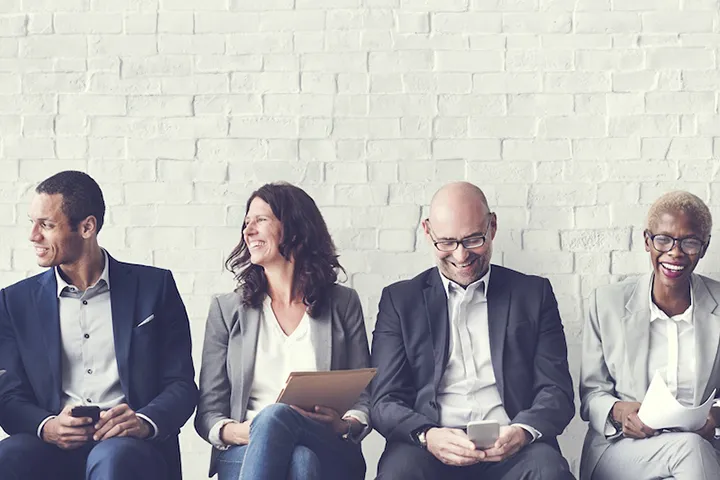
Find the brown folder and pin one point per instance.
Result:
(337, 389)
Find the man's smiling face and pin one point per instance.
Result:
(453, 217)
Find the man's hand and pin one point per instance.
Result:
(66, 431)
(453, 447)
(121, 421)
(234, 433)
(328, 416)
(708, 430)
(625, 413)
(510, 441)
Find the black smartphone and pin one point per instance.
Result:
(87, 411)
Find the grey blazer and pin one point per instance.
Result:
(615, 353)
(228, 357)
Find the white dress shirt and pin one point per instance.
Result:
(87, 346)
(468, 388)
(672, 351)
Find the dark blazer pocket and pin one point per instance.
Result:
(147, 322)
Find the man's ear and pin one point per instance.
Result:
(88, 227)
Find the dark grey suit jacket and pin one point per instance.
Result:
(527, 343)
(228, 357)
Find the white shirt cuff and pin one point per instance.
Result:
(534, 433)
(364, 419)
(214, 434)
(42, 424)
(152, 424)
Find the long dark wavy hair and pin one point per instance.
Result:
(305, 239)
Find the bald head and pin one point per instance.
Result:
(459, 199)
(459, 214)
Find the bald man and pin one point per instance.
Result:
(469, 341)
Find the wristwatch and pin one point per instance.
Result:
(420, 435)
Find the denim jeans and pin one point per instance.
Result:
(286, 445)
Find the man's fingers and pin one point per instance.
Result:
(315, 416)
(74, 421)
(116, 411)
(112, 423)
(113, 432)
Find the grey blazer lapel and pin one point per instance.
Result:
(707, 338)
(250, 327)
(321, 331)
(637, 335)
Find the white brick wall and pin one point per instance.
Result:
(574, 115)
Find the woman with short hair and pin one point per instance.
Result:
(666, 323)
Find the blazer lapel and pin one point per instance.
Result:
(249, 329)
(637, 335)
(498, 299)
(321, 331)
(48, 316)
(438, 321)
(707, 338)
(123, 295)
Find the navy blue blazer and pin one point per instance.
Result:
(154, 361)
(527, 349)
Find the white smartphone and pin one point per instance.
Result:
(483, 433)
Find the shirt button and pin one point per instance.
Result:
(87, 335)
(84, 302)
(89, 371)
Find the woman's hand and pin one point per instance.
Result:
(329, 417)
(235, 433)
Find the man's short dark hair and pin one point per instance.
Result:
(81, 195)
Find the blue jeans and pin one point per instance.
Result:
(286, 445)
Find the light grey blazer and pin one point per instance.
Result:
(228, 357)
(616, 340)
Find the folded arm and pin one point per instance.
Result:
(394, 392)
(597, 387)
(177, 399)
(553, 405)
(19, 410)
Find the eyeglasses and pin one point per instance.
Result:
(473, 241)
(665, 243)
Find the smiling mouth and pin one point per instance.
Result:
(256, 244)
(672, 267)
(464, 265)
(41, 250)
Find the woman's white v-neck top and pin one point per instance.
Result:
(277, 355)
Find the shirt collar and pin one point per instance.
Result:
(105, 275)
(449, 284)
(657, 314)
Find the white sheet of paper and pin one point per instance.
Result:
(660, 409)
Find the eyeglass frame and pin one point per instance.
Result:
(462, 240)
(676, 241)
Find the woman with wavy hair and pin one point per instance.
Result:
(287, 314)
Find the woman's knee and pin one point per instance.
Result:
(304, 463)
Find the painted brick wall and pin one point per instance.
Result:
(573, 115)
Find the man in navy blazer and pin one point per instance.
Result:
(467, 342)
(90, 331)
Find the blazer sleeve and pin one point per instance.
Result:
(358, 354)
(553, 404)
(19, 410)
(597, 387)
(215, 388)
(175, 403)
(393, 389)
